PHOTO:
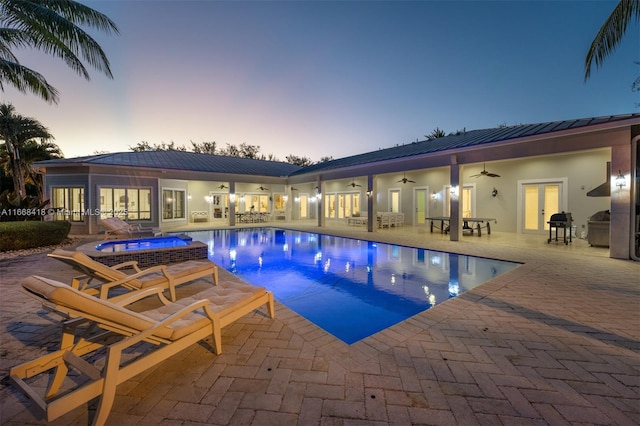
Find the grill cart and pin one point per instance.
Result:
(560, 221)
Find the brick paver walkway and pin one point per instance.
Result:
(555, 341)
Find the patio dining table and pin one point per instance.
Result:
(252, 217)
(468, 224)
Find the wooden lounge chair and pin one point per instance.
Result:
(114, 227)
(112, 277)
(100, 324)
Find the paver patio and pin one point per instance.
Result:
(556, 341)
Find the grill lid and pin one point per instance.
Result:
(601, 216)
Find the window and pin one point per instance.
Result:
(467, 200)
(278, 202)
(348, 204)
(125, 203)
(173, 204)
(330, 206)
(257, 203)
(69, 204)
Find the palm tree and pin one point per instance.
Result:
(435, 134)
(16, 130)
(33, 151)
(611, 33)
(54, 28)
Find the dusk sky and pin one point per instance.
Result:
(315, 78)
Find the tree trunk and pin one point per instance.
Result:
(18, 176)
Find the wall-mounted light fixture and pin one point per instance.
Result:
(369, 193)
(621, 181)
(434, 196)
(285, 198)
(453, 190)
(208, 198)
(232, 197)
(494, 193)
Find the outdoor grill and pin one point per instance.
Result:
(560, 221)
(598, 228)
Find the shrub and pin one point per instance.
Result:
(14, 207)
(30, 234)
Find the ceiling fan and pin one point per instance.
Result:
(353, 184)
(484, 172)
(223, 186)
(262, 188)
(405, 180)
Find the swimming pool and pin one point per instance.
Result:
(143, 244)
(350, 288)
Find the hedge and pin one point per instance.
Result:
(30, 234)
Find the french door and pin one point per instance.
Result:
(539, 200)
(420, 201)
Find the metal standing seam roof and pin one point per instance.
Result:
(462, 140)
(184, 160)
(191, 161)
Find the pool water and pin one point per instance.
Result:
(143, 244)
(350, 288)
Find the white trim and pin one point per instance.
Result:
(564, 196)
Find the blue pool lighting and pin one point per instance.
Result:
(143, 244)
(350, 288)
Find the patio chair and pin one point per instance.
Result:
(112, 277)
(98, 324)
(118, 228)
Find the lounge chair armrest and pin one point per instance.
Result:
(142, 294)
(84, 283)
(104, 289)
(132, 263)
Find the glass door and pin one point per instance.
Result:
(304, 206)
(420, 200)
(539, 202)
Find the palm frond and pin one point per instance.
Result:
(610, 34)
(27, 80)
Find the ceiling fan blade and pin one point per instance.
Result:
(412, 181)
(492, 175)
(475, 176)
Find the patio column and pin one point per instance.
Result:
(454, 200)
(320, 204)
(620, 233)
(232, 203)
(372, 197)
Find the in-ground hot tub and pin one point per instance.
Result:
(146, 251)
(143, 244)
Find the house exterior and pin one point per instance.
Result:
(517, 175)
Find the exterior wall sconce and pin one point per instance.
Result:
(369, 193)
(232, 197)
(494, 193)
(434, 196)
(208, 198)
(621, 181)
(285, 198)
(453, 190)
